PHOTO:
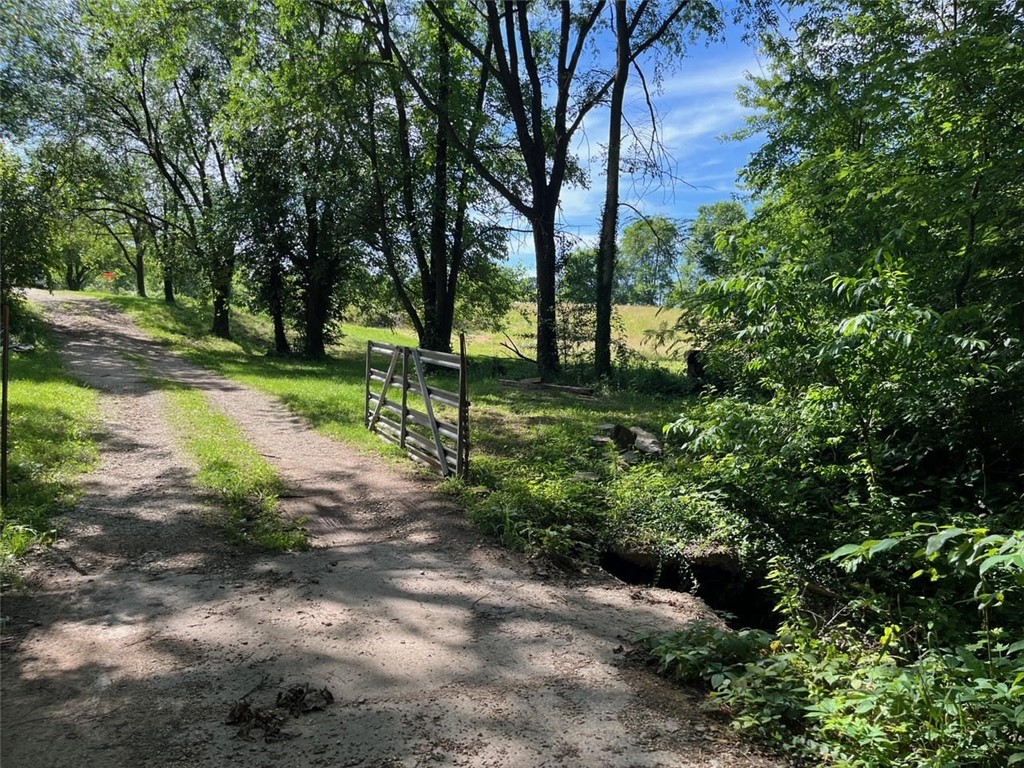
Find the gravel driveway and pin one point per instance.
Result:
(139, 631)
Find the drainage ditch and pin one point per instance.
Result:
(716, 579)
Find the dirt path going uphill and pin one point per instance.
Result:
(139, 630)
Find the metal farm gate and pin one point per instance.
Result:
(436, 431)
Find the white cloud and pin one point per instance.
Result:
(577, 202)
(693, 80)
(700, 122)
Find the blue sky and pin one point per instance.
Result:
(696, 105)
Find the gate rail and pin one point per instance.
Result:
(442, 444)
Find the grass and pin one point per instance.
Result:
(245, 486)
(52, 441)
(529, 447)
(632, 325)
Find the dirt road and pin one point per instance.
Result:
(140, 629)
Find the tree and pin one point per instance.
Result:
(577, 281)
(651, 252)
(37, 62)
(267, 231)
(435, 216)
(606, 248)
(871, 312)
(26, 225)
(154, 83)
(706, 251)
(699, 19)
(545, 106)
(864, 345)
(296, 132)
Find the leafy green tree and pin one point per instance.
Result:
(867, 329)
(301, 204)
(82, 250)
(535, 59)
(706, 252)
(435, 219)
(26, 226)
(577, 281)
(154, 82)
(268, 231)
(488, 296)
(867, 374)
(651, 251)
(37, 65)
(646, 26)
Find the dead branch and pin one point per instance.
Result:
(511, 347)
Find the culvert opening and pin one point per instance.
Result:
(744, 600)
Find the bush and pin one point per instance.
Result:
(652, 508)
(889, 698)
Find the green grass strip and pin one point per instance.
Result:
(52, 441)
(245, 485)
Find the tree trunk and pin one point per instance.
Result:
(547, 258)
(281, 345)
(315, 346)
(220, 281)
(610, 216)
(221, 327)
(140, 271)
(435, 281)
(317, 275)
(75, 275)
(168, 286)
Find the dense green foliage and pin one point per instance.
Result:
(864, 351)
(650, 261)
(899, 696)
(26, 227)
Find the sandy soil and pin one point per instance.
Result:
(136, 634)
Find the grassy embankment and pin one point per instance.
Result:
(52, 440)
(529, 447)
